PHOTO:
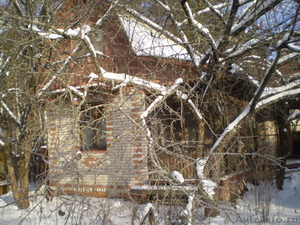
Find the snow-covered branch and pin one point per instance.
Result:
(52, 80)
(3, 64)
(294, 77)
(15, 118)
(108, 13)
(124, 78)
(250, 6)
(200, 28)
(217, 7)
(276, 90)
(253, 104)
(274, 98)
(234, 52)
(151, 107)
(75, 90)
(294, 115)
(287, 58)
(2, 142)
(161, 98)
(293, 47)
(214, 10)
(259, 8)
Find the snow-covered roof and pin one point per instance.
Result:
(145, 41)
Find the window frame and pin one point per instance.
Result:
(175, 126)
(91, 117)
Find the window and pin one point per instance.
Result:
(96, 38)
(175, 128)
(176, 124)
(93, 133)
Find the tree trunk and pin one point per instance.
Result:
(18, 176)
(285, 145)
(23, 192)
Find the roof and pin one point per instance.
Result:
(145, 41)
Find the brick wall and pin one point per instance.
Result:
(111, 171)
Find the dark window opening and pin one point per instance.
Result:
(175, 124)
(175, 129)
(93, 133)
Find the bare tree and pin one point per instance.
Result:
(201, 112)
(27, 65)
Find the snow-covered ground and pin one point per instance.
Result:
(260, 203)
(265, 204)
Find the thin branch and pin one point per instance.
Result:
(199, 27)
(215, 10)
(52, 80)
(225, 36)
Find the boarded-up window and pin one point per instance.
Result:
(93, 133)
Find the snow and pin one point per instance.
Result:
(250, 14)
(70, 32)
(127, 78)
(231, 127)
(208, 187)
(63, 208)
(145, 41)
(273, 98)
(283, 39)
(78, 153)
(178, 176)
(47, 86)
(85, 30)
(283, 208)
(294, 115)
(146, 209)
(200, 164)
(75, 90)
(3, 182)
(288, 57)
(50, 36)
(89, 43)
(293, 47)
(151, 106)
(188, 211)
(13, 89)
(93, 75)
(33, 27)
(166, 188)
(17, 120)
(283, 205)
(58, 34)
(278, 90)
(196, 109)
(201, 29)
(245, 47)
